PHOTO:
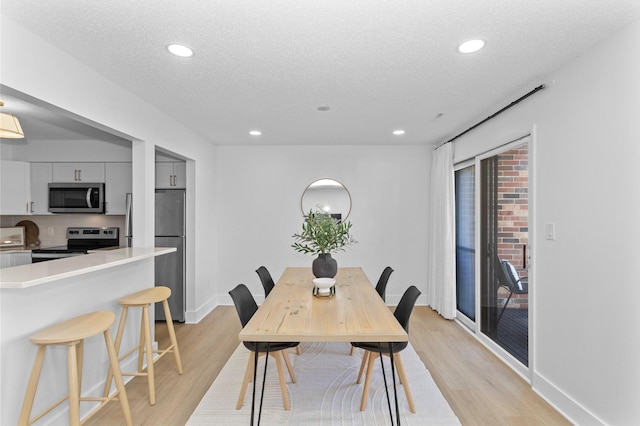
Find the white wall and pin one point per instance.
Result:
(74, 87)
(259, 192)
(585, 290)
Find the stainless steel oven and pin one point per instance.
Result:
(79, 242)
(77, 197)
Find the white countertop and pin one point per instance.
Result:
(34, 274)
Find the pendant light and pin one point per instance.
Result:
(10, 126)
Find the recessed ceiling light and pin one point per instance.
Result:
(471, 46)
(180, 50)
(255, 132)
(398, 132)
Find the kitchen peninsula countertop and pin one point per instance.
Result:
(35, 274)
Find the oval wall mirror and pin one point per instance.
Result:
(327, 195)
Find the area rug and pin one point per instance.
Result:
(325, 393)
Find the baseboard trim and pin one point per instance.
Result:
(567, 406)
(194, 317)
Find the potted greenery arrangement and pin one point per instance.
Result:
(322, 235)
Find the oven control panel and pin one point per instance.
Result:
(93, 233)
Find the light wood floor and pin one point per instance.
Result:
(479, 387)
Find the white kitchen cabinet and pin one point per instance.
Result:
(180, 175)
(78, 172)
(5, 260)
(15, 187)
(118, 182)
(171, 175)
(41, 177)
(9, 260)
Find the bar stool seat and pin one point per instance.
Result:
(72, 334)
(145, 299)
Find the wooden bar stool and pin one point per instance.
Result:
(145, 299)
(72, 334)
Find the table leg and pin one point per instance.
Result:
(384, 378)
(264, 379)
(393, 382)
(255, 375)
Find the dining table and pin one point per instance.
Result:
(351, 312)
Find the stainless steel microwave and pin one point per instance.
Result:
(77, 197)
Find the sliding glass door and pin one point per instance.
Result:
(492, 245)
(465, 187)
(504, 232)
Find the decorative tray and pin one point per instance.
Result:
(328, 295)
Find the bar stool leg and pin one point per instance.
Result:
(27, 405)
(119, 334)
(79, 362)
(115, 368)
(74, 389)
(149, 350)
(172, 335)
(141, 343)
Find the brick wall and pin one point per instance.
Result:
(513, 214)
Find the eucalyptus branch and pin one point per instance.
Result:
(322, 234)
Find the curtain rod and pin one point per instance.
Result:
(520, 99)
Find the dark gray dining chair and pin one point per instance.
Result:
(246, 307)
(267, 284)
(266, 280)
(373, 349)
(381, 287)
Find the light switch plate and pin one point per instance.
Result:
(550, 231)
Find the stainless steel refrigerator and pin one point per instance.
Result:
(170, 232)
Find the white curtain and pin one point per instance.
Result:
(441, 259)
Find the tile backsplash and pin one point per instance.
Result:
(53, 228)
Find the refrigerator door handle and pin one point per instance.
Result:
(128, 220)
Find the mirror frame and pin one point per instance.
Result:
(304, 207)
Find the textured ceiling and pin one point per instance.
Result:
(379, 65)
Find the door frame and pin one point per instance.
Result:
(526, 372)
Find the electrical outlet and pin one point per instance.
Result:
(550, 231)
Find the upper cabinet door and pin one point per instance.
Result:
(171, 175)
(41, 176)
(118, 182)
(15, 188)
(78, 172)
(65, 172)
(180, 175)
(164, 175)
(92, 172)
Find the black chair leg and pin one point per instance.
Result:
(503, 308)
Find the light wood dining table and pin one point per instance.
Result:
(354, 313)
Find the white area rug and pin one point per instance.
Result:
(326, 392)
